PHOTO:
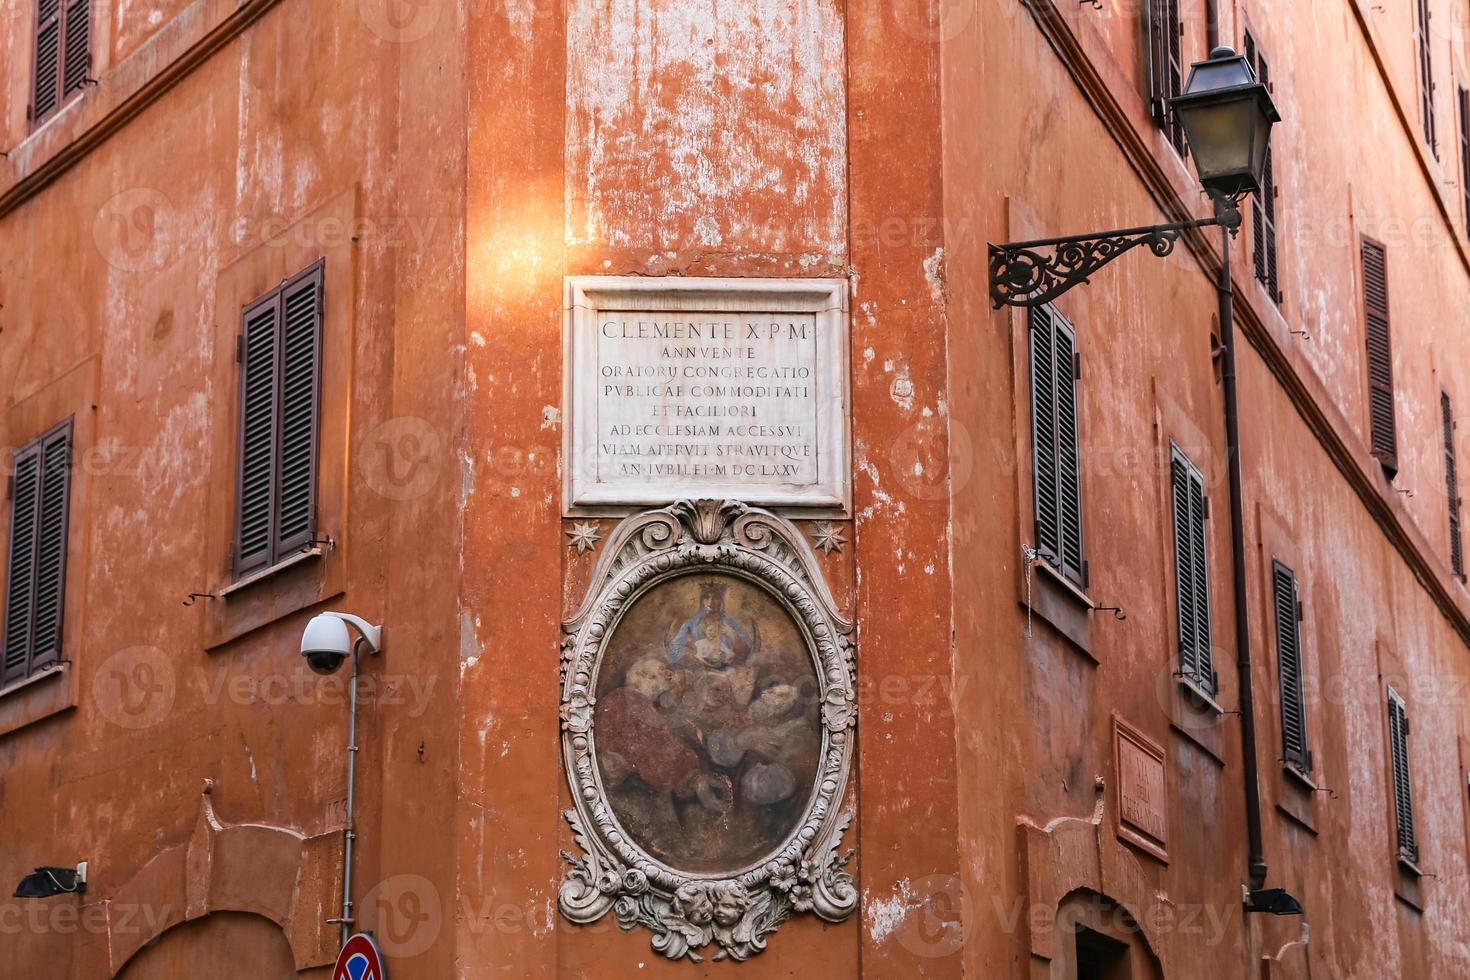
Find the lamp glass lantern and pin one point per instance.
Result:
(1227, 115)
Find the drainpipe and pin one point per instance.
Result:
(1229, 222)
(345, 920)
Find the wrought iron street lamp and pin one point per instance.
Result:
(1227, 115)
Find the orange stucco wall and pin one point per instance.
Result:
(452, 163)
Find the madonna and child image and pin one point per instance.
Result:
(707, 724)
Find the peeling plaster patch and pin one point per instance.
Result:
(708, 231)
(868, 356)
(902, 391)
(668, 134)
(934, 275)
(477, 338)
(888, 367)
(467, 475)
(519, 15)
(550, 416)
(470, 648)
(883, 916)
(515, 491)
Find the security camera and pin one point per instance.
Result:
(326, 641)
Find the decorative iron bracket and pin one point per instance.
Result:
(1031, 273)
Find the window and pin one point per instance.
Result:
(63, 54)
(279, 350)
(1165, 66)
(1055, 368)
(1383, 439)
(1452, 484)
(1465, 153)
(35, 578)
(1423, 39)
(1263, 205)
(1294, 750)
(1403, 795)
(1191, 572)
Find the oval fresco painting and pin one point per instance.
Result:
(707, 725)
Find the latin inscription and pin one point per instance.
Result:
(707, 397)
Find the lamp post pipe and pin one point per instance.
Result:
(349, 834)
(1226, 289)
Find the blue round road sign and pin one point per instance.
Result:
(359, 960)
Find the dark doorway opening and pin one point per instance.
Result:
(1101, 958)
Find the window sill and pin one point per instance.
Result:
(1042, 565)
(272, 571)
(43, 675)
(1061, 604)
(1197, 716)
(1303, 779)
(1409, 867)
(39, 696)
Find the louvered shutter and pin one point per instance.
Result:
(50, 587)
(46, 82)
(1263, 204)
(1403, 795)
(1294, 748)
(1166, 66)
(255, 518)
(280, 394)
(1465, 153)
(1191, 572)
(35, 580)
(1058, 485)
(76, 46)
(1382, 430)
(1452, 484)
(1426, 73)
(300, 380)
(25, 498)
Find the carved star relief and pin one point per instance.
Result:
(584, 536)
(828, 537)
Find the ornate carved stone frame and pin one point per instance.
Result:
(687, 911)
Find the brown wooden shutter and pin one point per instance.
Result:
(46, 80)
(1465, 153)
(1058, 478)
(1382, 429)
(255, 517)
(25, 499)
(1294, 749)
(300, 380)
(1166, 66)
(1424, 40)
(1452, 484)
(35, 580)
(77, 46)
(1191, 572)
(50, 588)
(280, 395)
(1403, 792)
(1263, 204)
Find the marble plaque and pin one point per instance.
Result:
(706, 388)
(1142, 809)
